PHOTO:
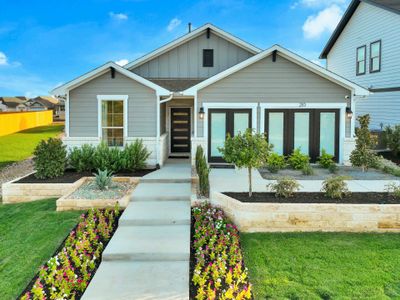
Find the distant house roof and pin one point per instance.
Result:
(46, 101)
(13, 102)
(390, 5)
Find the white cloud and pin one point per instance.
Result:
(318, 3)
(118, 16)
(175, 22)
(325, 21)
(3, 59)
(122, 62)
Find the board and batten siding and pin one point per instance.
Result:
(368, 24)
(186, 60)
(83, 106)
(267, 81)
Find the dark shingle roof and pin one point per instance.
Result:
(13, 102)
(391, 5)
(46, 101)
(176, 85)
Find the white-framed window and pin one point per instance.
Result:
(113, 119)
(361, 60)
(375, 57)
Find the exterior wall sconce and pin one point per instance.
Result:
(349, 113)
(201, 113)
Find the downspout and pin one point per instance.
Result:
(158, 126)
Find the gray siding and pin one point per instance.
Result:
(186, 60)
(266, 81)
(368, 24)
(141, 106)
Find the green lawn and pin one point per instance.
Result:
(323, 265)
(29, 235)
(18, 146)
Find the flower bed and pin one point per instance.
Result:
(67, 274)
(217, 262)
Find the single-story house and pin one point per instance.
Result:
(206, 84)
(47, 102)
(10, 104)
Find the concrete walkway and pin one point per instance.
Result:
(148, 256)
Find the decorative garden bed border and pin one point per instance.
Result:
(292, 217)
(67, 203)
(26, 192)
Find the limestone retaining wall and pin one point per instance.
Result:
(287, 217)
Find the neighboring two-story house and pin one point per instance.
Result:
(204, 85)
(364, 48)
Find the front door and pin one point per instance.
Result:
(180, 130)
(222, 122)
(310, 130)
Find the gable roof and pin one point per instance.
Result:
(390, 5)
(47, 101)
(189, 36)
(13, 102)
(358, 90)
(61, 90)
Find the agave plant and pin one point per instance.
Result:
(103, 179)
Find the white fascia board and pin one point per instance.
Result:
(61, 90)
(357, 90)
(188, 37)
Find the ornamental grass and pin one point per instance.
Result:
(219, 271)
(67, 274)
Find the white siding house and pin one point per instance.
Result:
(365, 26)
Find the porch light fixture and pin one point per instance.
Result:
(201, 113)
(349, 113)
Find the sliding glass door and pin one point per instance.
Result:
(310, 130)
(222, 122)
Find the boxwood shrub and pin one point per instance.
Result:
(50, 158)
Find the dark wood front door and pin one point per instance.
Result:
(180, 130)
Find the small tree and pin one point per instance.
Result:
(246, 150)
(363, 155)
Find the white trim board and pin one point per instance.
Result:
(189, 36)
(61, 90)
(308, 105)
(355, 88)
(123, 98)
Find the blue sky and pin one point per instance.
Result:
(46, 43)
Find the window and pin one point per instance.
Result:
(208, 57)
(112, 122)
(375, 57)
(361, 60)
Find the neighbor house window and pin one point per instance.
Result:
(375, 57)
(112, 122)
(208, 57)
(361, 60)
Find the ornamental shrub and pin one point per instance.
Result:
(391, 136)
(284, 187)
(135, 156)
(275, 162)
(333, 168)
(108, 158)
(50, 159)
(103, 179)
(203, 171)
(298, 160)
(307, 170)
(335, 187)
(325, 160)
(199, 156)
(246, 150)
(81, 159)
(363, 156)
(393, 189)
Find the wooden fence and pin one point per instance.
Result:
(11, 122)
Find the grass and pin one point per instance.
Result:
(29, 235)
(323, 265)
(20, 145)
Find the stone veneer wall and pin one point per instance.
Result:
(286, 217)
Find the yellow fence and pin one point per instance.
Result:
(11, 122)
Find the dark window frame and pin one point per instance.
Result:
(208, 63)
(358, 73)
(380, 56)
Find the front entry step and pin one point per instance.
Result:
(152, 213)
(140, 280)
(149, 243)
(162, 192)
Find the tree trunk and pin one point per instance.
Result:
(250, 184)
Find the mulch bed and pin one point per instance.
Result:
(301, 197)
(70, 176)
(32, 282)
(389, 155)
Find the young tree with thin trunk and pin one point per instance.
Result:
(246, 150)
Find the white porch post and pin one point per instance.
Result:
(158, 130)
